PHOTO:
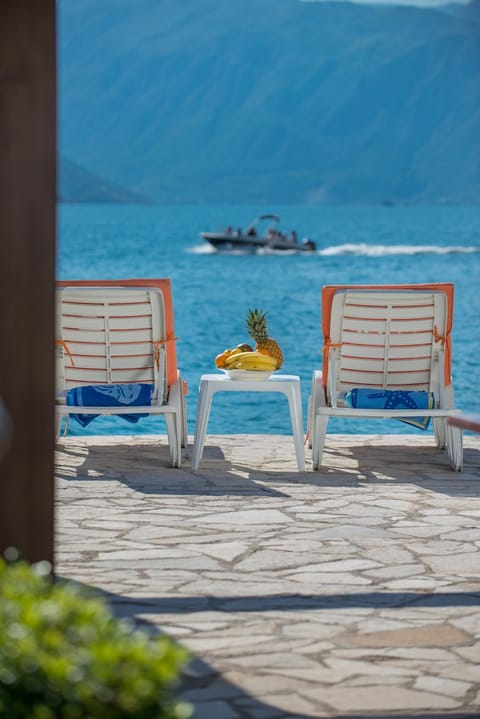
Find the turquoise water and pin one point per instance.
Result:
(212, 292)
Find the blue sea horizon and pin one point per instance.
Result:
(212, 292)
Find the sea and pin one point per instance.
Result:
(212, 292)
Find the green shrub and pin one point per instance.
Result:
(64, 655)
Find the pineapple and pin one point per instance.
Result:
(257, 329)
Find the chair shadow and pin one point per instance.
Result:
(199, 675)
(218, 476)
(153, 474)
(425, 466)
(376, 465)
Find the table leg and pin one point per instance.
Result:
(296, 417)
(203, 413)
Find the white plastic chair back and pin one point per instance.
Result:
(110, 336)
(387, 340)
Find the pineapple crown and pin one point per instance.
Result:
(257, 324)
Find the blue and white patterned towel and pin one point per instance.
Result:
(392, 399)
(110, 395)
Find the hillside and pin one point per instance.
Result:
(78, 185)
(272, 100)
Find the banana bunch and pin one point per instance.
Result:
(251, 361)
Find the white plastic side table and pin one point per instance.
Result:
(287, 384)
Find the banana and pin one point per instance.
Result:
(252, 366)
(257, 362)
(253, 361)
(257, 356)
(233, 357)
(250, 361)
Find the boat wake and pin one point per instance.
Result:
(366, 250)
(350, 248)
(209, 250)
(201, 250)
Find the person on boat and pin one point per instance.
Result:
(239, 232)
(293, 237)
(252, 232)
(229, 230)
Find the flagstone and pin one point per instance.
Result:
(330, 581)
(410, 529)
(434, 636)
(464, 535)
(389, 555)
(220, 550)
(472, 653)
(397, 570)
(420, 583)
(376, 699)
(276, 659)
(268, 559)
(441, 546)
(458, 564)
(289, 701)
(441, 685)
(217, 644)
(352, 531)
(244, 517)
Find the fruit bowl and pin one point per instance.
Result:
(249, 375)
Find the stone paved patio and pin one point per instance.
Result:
(350, 592)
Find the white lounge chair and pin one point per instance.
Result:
(385, 338)
(120, 332)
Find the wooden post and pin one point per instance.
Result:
(27, 274)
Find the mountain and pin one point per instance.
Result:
(272, 101)
(76, 184)
(469, 11)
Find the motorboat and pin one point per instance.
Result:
(262, 236)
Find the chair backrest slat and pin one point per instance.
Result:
(386, 339)
(109, 336)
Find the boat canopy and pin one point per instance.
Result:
(260, 218)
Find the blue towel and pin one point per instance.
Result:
(392, 399)
(110, 395)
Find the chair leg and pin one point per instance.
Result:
(316, 400)
(171, 420)
(295, 406)
(455, 447)
(309, 422)
(440, 429)
(184, 429)
(319, 433)
(58, 424)
(177, 399)
(203, 413)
